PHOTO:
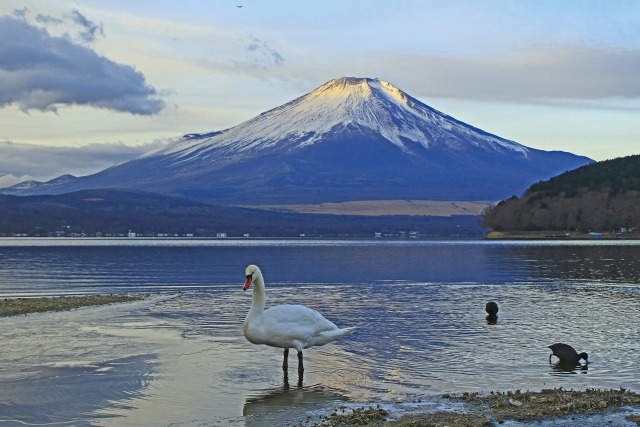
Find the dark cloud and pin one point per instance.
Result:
(19, 162)
(42, 72)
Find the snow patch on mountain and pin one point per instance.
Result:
(359, 103)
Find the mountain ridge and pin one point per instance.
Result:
(350, 139)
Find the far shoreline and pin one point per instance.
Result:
(559, 235)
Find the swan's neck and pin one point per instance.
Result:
(257, 304)
(253, 323)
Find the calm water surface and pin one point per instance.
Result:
(179, 357)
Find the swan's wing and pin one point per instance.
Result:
(297, 315)
(296, 326)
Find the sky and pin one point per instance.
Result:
(87, 84)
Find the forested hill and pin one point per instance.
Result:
(600, 196)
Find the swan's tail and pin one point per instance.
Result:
(347, 331)
(336, 334)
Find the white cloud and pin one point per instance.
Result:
(10, 180)
(19, 162)
(536, 75)
(263, 55)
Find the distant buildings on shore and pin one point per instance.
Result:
(221, 235)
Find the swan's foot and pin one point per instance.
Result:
(285, 363)
(300, 365)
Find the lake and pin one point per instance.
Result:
(179, 357)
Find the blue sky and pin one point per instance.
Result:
(86, 84)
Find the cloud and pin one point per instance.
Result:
(19, 162)
(261, 55)
(89, 29)
(39, 71)
(539, 74)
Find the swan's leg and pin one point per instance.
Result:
(300, 365)
(286, 358)
(300, 376)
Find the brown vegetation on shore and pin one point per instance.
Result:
(17, 306)
(495, 408)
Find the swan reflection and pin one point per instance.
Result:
(271, 406)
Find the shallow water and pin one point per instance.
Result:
(180, 358)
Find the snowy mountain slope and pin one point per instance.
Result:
(350, 139)
(365, 103)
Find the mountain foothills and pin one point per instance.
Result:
(601, 196)
(352, 139)
(115, 212)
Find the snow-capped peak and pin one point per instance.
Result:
(362, 103)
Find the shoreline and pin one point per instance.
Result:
(557, 235)
(495, 408)
(21, 306)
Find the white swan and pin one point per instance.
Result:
(285, 326)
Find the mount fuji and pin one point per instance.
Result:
(350, 139)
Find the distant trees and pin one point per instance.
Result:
(598, 196)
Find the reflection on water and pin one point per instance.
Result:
(491, 319)
(569, 368)
(276, 406)
(46, 266)
(419, 309)
(56, 393)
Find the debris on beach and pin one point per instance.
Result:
(355, 417)
(549, 403)
(483, 410)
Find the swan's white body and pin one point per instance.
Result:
(285, 326)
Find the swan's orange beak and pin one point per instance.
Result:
(247, 283)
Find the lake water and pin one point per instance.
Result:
(179, 357)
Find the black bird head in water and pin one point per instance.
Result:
(491, 308)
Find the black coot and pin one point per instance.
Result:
(492, 308)
(567, 354)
